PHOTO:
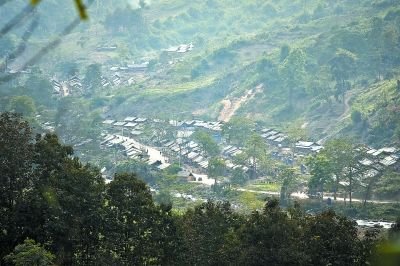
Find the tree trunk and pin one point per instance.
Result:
(343, 92)
(350, 187)
(369, 188)
(336, 187)
(367, 194)
(322, 192)
(344, 197)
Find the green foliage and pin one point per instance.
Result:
(78, 3)
(329, 234)
(321, 172)
(138, 232)
(289, 181)
(388, 185)
(7, 45)
(16, 157)
(40, 89)
(30, 253)
(342, 66)
(66, 205)
(216, 167)
(204, 229)
(92, 79)
(173, 169)
(207, 143)
(237, 130)
(356, 116)
(285, 51)
(339, 158)
(373, 42)
(164, 198)
(239, 177)
(255, 153)
(292, 71)
(24, 105)
(127, 20)
(271, 228)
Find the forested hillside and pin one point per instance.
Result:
(162, 132)
(315, 60)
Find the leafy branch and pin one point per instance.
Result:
(79, 5)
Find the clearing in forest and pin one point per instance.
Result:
(230, 106)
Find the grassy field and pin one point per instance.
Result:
(272, 187)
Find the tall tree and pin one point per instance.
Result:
(237, 130)
(61, 190)
(204, 229)
(136, 232)
(342, 68)
(289, 181)
(270, 238)
(343, 158)
(16, 155)
(216, 168)
(332, 239)
(255, 152)
(92, 80)
(24, 105)
(40, 89)
(321, 172)
(207, 144)
(285, 51)
(292, 72)
(30, 253)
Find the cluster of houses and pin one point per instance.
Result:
(135, 150)
(276, 138)
(74, 85)
(373, 164)
(184, 148)
(181, 147)
(182, 48)
(120, 75)
(131, 68)
(132, 125)
(187, 151)
(124, 75)
(132, 150)
(64, 88)
(106, 47)
(376, 161)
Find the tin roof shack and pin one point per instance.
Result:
(189, 125)
(387, 157)
(230, 151)
(106, 47)
(304, 147)
(75, 85)
(57, 86)
(119, 124)
(138, 68)
(182, 48)
(130, 125)
(104, 82)
(141, 120)
(108, 122)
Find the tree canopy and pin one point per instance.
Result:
(54, 209)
